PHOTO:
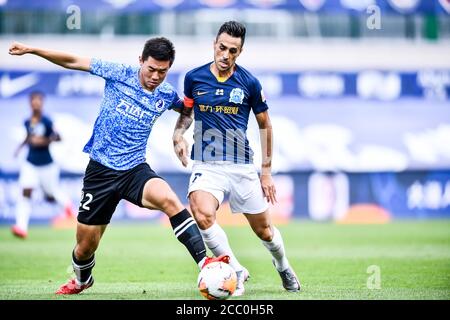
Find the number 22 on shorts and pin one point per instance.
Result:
(89, 197)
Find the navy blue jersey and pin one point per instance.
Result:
(221, 113)
(127, 114)
(39, 156)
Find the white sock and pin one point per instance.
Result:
(62, 200)
(201, 262)
(276, 249)
(23, 210)
(216, 240)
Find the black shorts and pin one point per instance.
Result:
(103, 188)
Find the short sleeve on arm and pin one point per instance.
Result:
(110, 70)
(48, 127)
(188, 96)
(258, 100)
(177, 103)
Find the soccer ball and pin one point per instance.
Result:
(217, 281)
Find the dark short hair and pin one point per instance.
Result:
(234, 29)
(36, 93)
(160, 49)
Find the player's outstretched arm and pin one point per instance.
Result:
(63, 59)
(265, 129)
(20, 146)
(180, 145)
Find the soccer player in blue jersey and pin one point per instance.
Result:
(134, 97)
(38, 170)
(222, 94)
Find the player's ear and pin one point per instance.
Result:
(140, 61)
(241, 47)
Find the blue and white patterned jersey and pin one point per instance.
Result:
(127, 114)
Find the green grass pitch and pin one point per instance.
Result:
(145, 261)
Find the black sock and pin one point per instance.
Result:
(187, 233)
(83, 269)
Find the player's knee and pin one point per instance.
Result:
(203, 219)
(203, 212)
(27, 193)
(265, 233)
(195, 208)
(204, 222)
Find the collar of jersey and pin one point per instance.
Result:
(222, 79)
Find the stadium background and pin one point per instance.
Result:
(361, 116)
(358, 92)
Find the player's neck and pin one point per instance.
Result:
(221, 76)
(36, 116)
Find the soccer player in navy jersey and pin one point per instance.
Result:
(134, 97)
(222, 94)
(38, 170)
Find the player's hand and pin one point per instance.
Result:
(38, 141)
(18, 49)
(180, 146)
(268, 187)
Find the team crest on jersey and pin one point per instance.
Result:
(237, 95)
(159, 105)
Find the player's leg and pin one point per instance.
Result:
(28, 180)
(246, 196)
(208, 185)
(158, 195)
(83, 258)
(273, 241)
(145, 188)
(204, 206)
(23, 211)
(98, 203)
(49, 181)
(270, 237)
(88, 239)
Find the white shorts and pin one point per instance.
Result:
(46, 177)
(240, 181)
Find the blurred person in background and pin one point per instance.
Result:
(134, 98)
(39, 170)
(222, 94)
